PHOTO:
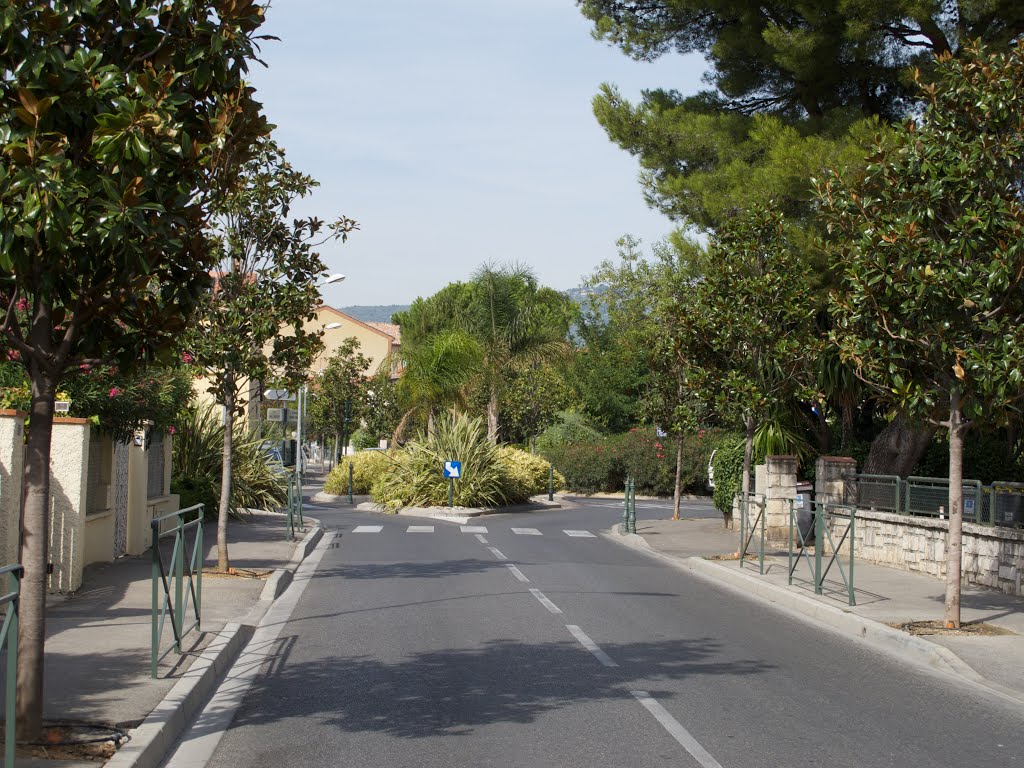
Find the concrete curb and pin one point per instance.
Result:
(160, 731)
(151, 741)
(879, 635)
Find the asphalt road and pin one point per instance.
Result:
(456, 648)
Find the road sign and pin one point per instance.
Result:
(279, 395)
(453, 469)
(275, 414)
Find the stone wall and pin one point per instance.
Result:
(992, 557)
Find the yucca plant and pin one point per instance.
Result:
(416, 478)
(197, 459)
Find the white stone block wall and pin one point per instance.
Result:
(992, 557)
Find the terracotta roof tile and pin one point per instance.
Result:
(391, 329)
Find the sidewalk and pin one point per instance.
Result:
(885, 596)
(97, 663)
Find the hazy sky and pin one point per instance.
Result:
(456, 132)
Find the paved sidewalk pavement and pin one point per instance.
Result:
(885, 595)
(97, 663)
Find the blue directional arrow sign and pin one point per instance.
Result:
(453, 469)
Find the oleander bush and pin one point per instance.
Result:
(367, 466)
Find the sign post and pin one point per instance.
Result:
(453, 471)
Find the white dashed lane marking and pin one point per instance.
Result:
(675, 728)
(580, 534)
(420, 529)
(481, 539)
(527, 532)
(517, 573)
(544, 601)
(497, 553)
(368, 529)
(590, 645)
(473, 528)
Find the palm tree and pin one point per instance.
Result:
(517, 326)
(435, 374)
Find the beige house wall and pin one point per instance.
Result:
(69, 458)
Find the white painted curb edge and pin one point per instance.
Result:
(159, 732)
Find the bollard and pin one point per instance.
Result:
(350, 482)
(624, 525)
(551, 482)
(819, 544)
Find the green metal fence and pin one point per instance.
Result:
(629, 507)
(177, 586)
(748, 504)
(826, 518)
(1001, 503)
(11, 600)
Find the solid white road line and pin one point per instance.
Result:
(677, 731)
(580, 534)
(199, 741)
(544, 601)
(590, 645)
(368, 529)
(497, 554)
(517, 573)
(527, 532)
(481, 539)
(473, 528)
(420, 529)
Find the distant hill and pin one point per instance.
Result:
(376, 313)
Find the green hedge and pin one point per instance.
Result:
(602, 463)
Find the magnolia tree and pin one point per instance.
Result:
(339, 394)
(253, 324)
(930, 242)
(119, 123)
(740, 323)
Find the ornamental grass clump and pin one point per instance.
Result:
(197, 457)
(416, 478)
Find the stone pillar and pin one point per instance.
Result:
(12, 467)
(69, 473)
(781, 488)
(830, 478)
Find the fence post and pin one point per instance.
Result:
(154, 577)
(743, 528)
(853, 519)
(790, 558)
(179, 580)
(764, 522)
(11, 692)
(819, 530)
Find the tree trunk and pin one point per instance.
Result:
(225, 484)
(748, 454)
(954, 545)
(492, 415)
(677, 494)
(35, 538)
(897, 448)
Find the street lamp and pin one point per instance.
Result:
(335, 278)
(332, 326)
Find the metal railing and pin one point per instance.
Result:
(825, 516)
(758, 502)
(629, 507)
(1001, 503)
(185, 583)
(9, 638)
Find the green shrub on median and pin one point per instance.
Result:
(526, 475)
(367, 466)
